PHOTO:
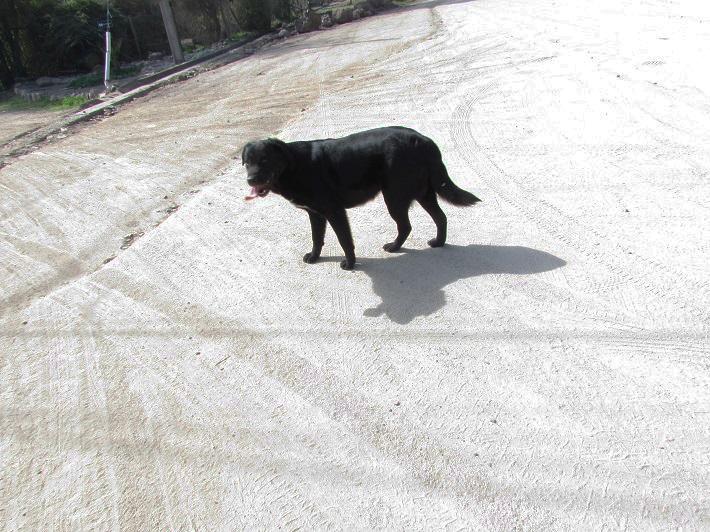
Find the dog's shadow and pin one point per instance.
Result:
(411, 283)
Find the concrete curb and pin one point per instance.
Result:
(128, 87)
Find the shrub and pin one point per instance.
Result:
(17, 103)
(253, 15)
(47, 37)
(97, 78)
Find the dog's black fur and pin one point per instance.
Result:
(326, 177)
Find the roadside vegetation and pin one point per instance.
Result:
(240, 35)
(16, 103)
(53, 38)
(96, 78)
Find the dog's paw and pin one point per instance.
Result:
(435, 243)
(310, 258)
(391, 247)
(347, 265)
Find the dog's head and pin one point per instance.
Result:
(266, 161)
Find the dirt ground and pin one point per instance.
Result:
(167, 361)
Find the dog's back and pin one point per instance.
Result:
(395, 159)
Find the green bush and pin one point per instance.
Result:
(239, 35)
(50, 37)
(54, 37)
(17, 103)
(87, 80)
(253, 15)
(97, 78)
(283, 9)
(66, 35)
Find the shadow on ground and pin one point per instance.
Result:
(411, 284)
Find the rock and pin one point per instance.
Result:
(46, 81)
(155, 55)
(342, 15)
(363, 8)
(186, 43)
(362, 4)
(326, 20)
(187, 75)
(283, 33)
(308, 23)
(314, 19)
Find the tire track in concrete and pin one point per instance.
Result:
(554, 221)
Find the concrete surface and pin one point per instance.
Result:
(14, 123)
(167, 361)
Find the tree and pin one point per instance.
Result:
(11, 64)
(48, 37)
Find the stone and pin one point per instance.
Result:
(362, 4)
(343, 14)
(308, 23)
(46, 81)
(187, 43)
(314, 19)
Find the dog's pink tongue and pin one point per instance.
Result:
(252, 195)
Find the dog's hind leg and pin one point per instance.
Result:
(318, 223)
(339, 222)
(399, 211)
(431, 206)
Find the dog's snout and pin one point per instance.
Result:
(254, 177)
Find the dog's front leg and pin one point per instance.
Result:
(318, 233)
(339, 222)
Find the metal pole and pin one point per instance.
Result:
(107, 62)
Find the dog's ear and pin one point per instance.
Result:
(246, 148)
(282, 147)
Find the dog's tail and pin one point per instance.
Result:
(445, 187)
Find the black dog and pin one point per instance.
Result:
(325, 177)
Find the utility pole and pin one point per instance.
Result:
(107, 59)
(169, 21)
